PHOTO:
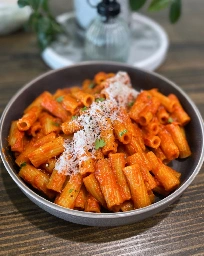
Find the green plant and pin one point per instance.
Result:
(42, 22)
(174, 6)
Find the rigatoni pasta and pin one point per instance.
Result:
(138, 189)
(15, 138)
(101, 146)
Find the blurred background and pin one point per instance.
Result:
(182, 59)
(187, 29)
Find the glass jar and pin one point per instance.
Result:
(108, 36)
(85, 11)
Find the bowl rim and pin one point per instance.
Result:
(75, 213)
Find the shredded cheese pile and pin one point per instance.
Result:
(119, 92)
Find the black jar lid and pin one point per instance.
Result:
(108, 8)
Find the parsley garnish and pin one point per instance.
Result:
(122, 132)
(100, 99)
(170, 120)
(55, 124)
(74, 117)
(60, 99)
(71, 190)
(23, 164)
(91, 85)
(130, 104)
(99, 143)
(84, 108)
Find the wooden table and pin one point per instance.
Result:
(25, 229)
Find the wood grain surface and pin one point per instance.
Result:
(25, 229)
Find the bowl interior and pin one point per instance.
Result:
(73, 76)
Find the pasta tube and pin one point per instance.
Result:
(80, 201)
(56, 181)
(151, 140)
(141, 159)
(92, 204)
(108, 184)
(127, 206)
(29, 118)
(167, 145)
(118, 163)
(70, 127)
(141, 102)
(33, 145)
(70, 192)
(179, 139)
(49, 123)
(15, 138)
(87, 166)
(178, 112)
(137, 186)
(36, 178)
(164, 100)
(86, 98)
(109, 138)
(93, 187)
(121, 132)
(70, 103)
(166, 177)
(46, 151)
(54, 107)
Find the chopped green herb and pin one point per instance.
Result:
(23, 164)
(123, 132)
(170, 120)
(74, 117)
(71, 190)
(55, 124)
(60, 99)
(84, 108)
(130, 104)
(91, 85)
(99, 143)
(100, 99)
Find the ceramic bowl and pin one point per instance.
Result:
(74, 75)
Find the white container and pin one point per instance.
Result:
(12, 17)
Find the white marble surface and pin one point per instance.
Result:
(148, 48)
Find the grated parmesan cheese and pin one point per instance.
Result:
(119, 92)
(120, 89)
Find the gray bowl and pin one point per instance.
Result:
(74, 75)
